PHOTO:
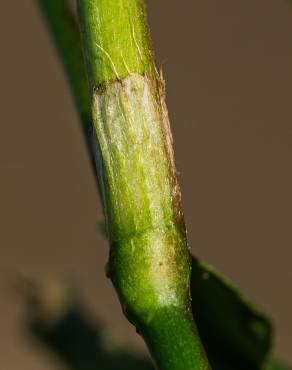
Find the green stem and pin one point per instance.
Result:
(173, 340)
(117, 43)
(149, 257)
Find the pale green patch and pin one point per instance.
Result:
(128, 129)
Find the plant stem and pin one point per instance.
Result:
(117, 41)
(149, 257)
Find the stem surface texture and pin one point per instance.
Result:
(149, 258)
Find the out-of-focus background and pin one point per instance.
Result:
(228, 67)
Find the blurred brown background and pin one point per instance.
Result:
(228, 66)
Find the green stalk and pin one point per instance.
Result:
(149, 257)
